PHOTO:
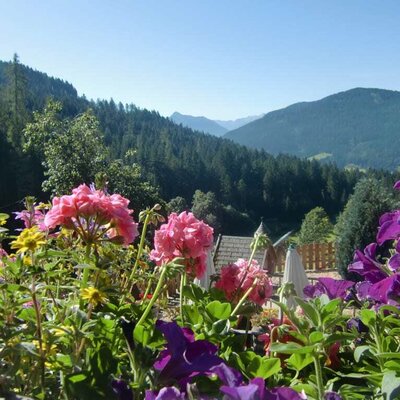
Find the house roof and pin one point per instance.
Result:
(229, 248)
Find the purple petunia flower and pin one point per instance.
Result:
(121, 389)
(332, 396)
(184, 357)
(357, 324)
(389, 228)
(256, 390)
(365, 264)
(394, 262)
(333, 288)
(386, 291)
(397, 185)
(167, 393)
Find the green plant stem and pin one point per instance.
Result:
(85, 276)
(244, 297)
(181, 297)
(151, 277)
(318, 376)
(155, 295)
(39, 335)
(140, 249)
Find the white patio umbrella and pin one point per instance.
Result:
(294, 273)
(205, 281)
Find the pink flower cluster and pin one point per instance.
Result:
(32, 218)
(237, 278)
(93, 213)
(183, 236)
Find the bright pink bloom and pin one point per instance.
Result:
(183, 236)
(93, 213)
(237, 278)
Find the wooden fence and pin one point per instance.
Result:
(315, 257)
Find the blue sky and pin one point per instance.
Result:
(220, 58)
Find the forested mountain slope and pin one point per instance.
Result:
(176, 159)
(359, 126)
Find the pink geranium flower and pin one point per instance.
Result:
(237, 278)
(183, 236)
(93, 214)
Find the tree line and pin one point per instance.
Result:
(156, 158)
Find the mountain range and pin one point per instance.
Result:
(214, 127)
(359, 127)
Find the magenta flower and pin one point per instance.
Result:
(184, 357)
(121, 389)
(389, 227)
(93, 214)
(386, 291)
(167, 393)
(237, 278)
(365, 264)
(333, 288)
(256, 390)
(183, 236)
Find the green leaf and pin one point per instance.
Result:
(192, 314)
(263, 367)
(368, 317)
(194, 292)
(391, 386)
(299, 361)
(359, 351)
(290, 348)
(219, 310)
(309, 311)
(221, 327)
(316, 337)
(393, 365)
(339, 337)
(142, 334)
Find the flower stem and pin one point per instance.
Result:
(140, 249)
(39, 335)
(244, 297)
(318, 376)
(181, 297)
(155, 295)
(85, 276)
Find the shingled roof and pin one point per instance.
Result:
(229, 248)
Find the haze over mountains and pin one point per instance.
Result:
(214, 127)
(360, 126)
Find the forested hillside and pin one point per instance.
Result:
(175, 159)
(359, 126)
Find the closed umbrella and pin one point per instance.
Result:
(205, 280)
(294, 273)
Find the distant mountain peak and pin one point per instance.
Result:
(214, 127)
(358, 126)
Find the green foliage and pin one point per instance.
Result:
(206, 207)
(357, 225)
(249, 184)
(177, 204)
(315, 227)
(72, 149)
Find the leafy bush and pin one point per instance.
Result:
(316, 227)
